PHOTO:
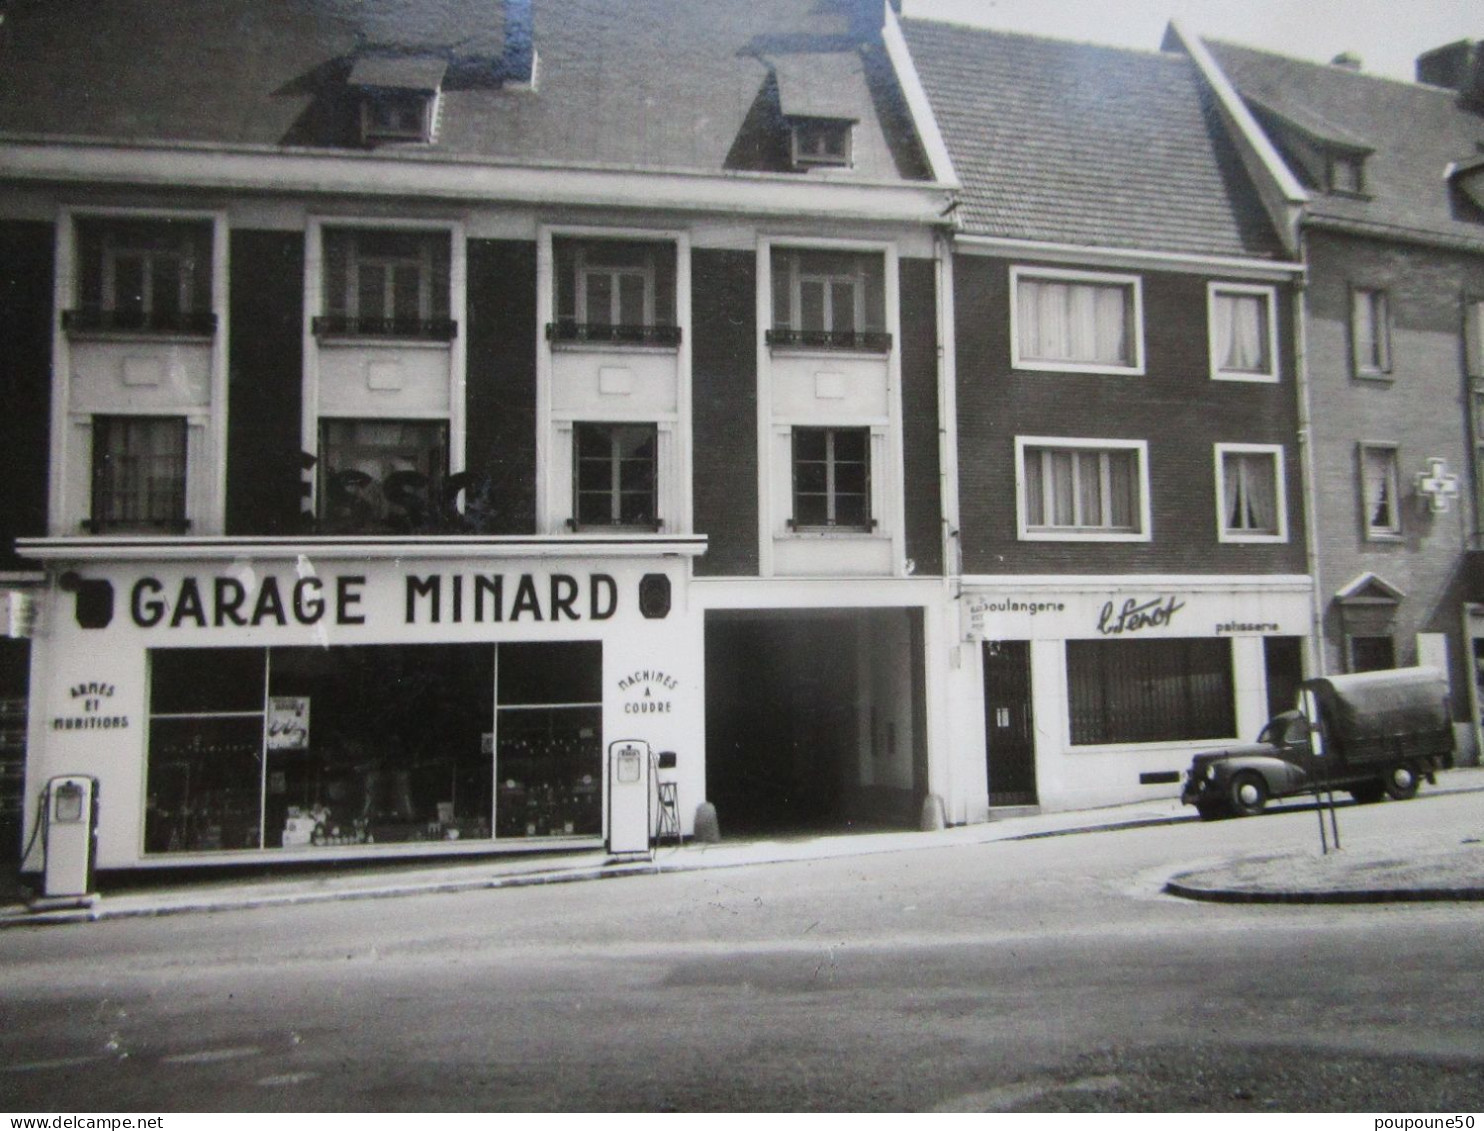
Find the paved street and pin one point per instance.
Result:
(1042, 974)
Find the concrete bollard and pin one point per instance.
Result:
(933, 817)
(708, 831)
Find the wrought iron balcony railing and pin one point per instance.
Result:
(863, 341)
(615, 335)
(417, 329)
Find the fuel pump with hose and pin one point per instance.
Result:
(67, 823)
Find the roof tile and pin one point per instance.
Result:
(660, 84)
(1416, 132)
(1072, 143)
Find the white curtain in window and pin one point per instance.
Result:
(1038, 319)
(1092, 490)
(1121, 490)
(1111, 343)
(1089, 489)
(1063, 488)
(1251, 495)
(1380, 489)
(1072, 322)
(1241, 333)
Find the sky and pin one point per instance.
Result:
(1388, 35)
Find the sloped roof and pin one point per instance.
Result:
(1314, 125)
(660, 84)
(1415, 131)
(398, 72)
(1074, 143)
(819, 86)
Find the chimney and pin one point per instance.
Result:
(1346, 60)
(1447, 66)
(1456, 66)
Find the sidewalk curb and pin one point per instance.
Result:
(1329, 895)
(101, 910)
(992, 832)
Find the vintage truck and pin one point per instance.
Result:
(1373, 734)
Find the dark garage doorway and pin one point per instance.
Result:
(814, 720)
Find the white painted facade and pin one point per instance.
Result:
(91, 687)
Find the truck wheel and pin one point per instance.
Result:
(1401, 781)
(1368, 793)
(1248, 794)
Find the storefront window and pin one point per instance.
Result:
(377, 745)
(205, 749)
(1149, 690)
(549, 760)
(307, 747)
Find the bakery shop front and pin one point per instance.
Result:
(290, 700)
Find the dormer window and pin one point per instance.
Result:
(1346, 174)
(821, 96)
(398, 96)
(1327, 155)
(396, 116)
(821, 142)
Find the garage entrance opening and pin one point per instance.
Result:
(815, 720)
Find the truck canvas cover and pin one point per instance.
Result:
(1370, 715)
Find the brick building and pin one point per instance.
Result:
(1377, 179)
(1129, 524)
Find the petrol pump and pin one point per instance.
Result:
(629, 797)
(69, 831)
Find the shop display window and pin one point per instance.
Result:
(298, 748)
(549, 757)
(376, 745)
(1126, 691)
(204, 788)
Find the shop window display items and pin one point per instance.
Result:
(297, 748)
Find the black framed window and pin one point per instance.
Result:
(832, 478)
(143, 275)
(139, 473)
(380, 475)
(616, 474)
(829, 299)
(614, 290)
(305, 747)
(205, 769)
(390, 282)
(396, 115)
(821, 141)
(549, 758)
